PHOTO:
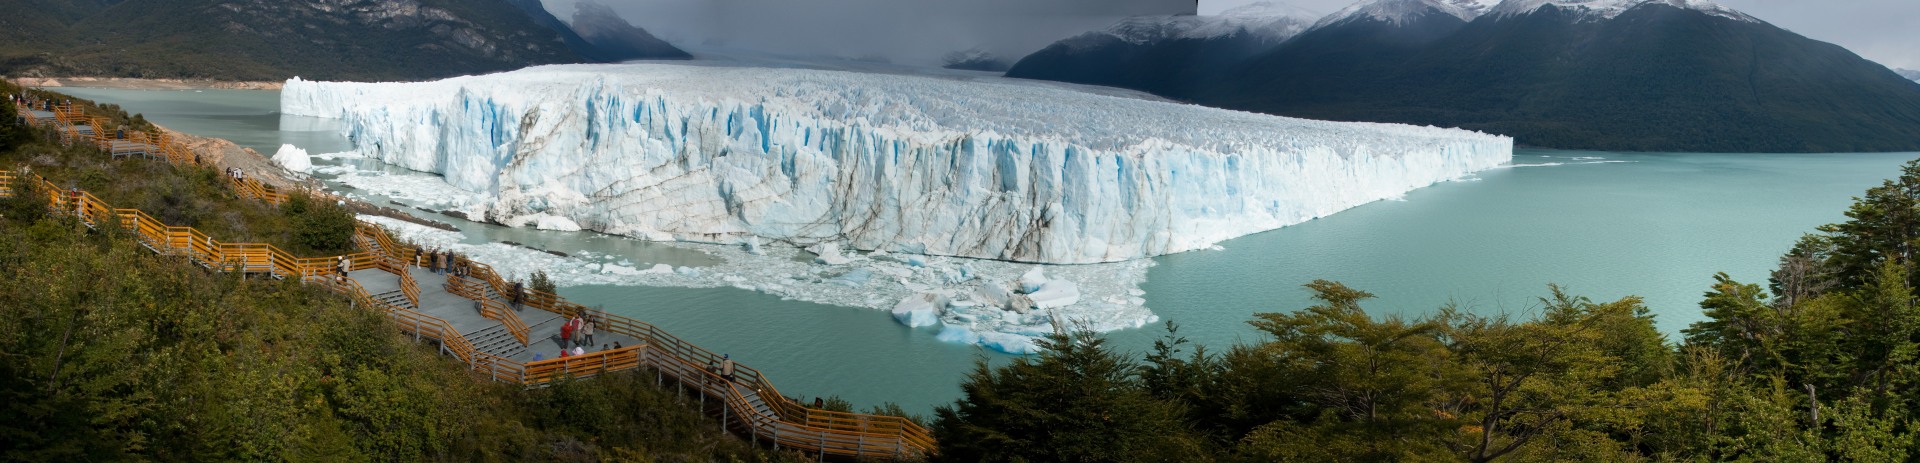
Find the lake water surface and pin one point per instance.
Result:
(1602, 225)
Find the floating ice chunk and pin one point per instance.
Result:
(1009, 343)
(917, 260)
(957, 334)
(293, 158)
(616, 269)
(556, 223)
(829, 253)
(996, 295)
(1004, 342)
(920, 309)
(687, 271)
(340, 155)
(1031, 281)
(854, 278)
(1055, 293)
(658, 269)
(753, 246)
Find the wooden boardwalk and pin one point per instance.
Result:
(471, 318)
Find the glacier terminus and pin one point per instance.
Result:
(936, 165)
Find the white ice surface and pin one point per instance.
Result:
(293, 159)
(1608, 9)
(889, 280)
(979, 168)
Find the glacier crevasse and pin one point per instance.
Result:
(973, 167)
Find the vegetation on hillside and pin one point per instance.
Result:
(272, 40)
(1655, 78)
(1821, 366)
(111, 352)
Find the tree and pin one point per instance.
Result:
(1369, 386)
(27, 204)
(1537, 379)
(1884, 225)
(1077, 401)
(320, 226)
(540, 282)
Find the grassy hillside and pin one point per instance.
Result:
(115, 353)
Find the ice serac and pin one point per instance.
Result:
(985, 168)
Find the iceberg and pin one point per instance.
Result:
(293, 159)
(921, 309)
(971, 167)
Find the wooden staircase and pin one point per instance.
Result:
(752, 406)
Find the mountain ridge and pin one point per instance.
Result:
(268, 40)
(1654, 77)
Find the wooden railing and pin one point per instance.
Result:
(490, 308)
(409, 287)
(254, 188)
(669, 350)
(822, 431)
(624, 358)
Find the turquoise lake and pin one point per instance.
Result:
(1654, 225)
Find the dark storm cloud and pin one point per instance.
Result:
(917, 31)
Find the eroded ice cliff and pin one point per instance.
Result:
(987, 168)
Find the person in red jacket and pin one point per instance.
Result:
(566, 334)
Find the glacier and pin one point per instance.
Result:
(983, 168)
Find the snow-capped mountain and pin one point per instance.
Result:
(1153, 52)
(975, 168)
(1676, 75)
(1594, 10)
(1397, 12)
(1269, 22)
(1909, 74)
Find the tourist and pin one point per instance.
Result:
(538, 357)
(616, 345)
(566, 333)
(345, 266)
(587, 327)
(578, 351)
(579, 330)
(726, 367)
(819, 404)
(603, 347)
(563, 352)
(519, 295)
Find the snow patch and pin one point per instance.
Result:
(1597, 10)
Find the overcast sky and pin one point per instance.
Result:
(904, 31)
(1887, 31)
